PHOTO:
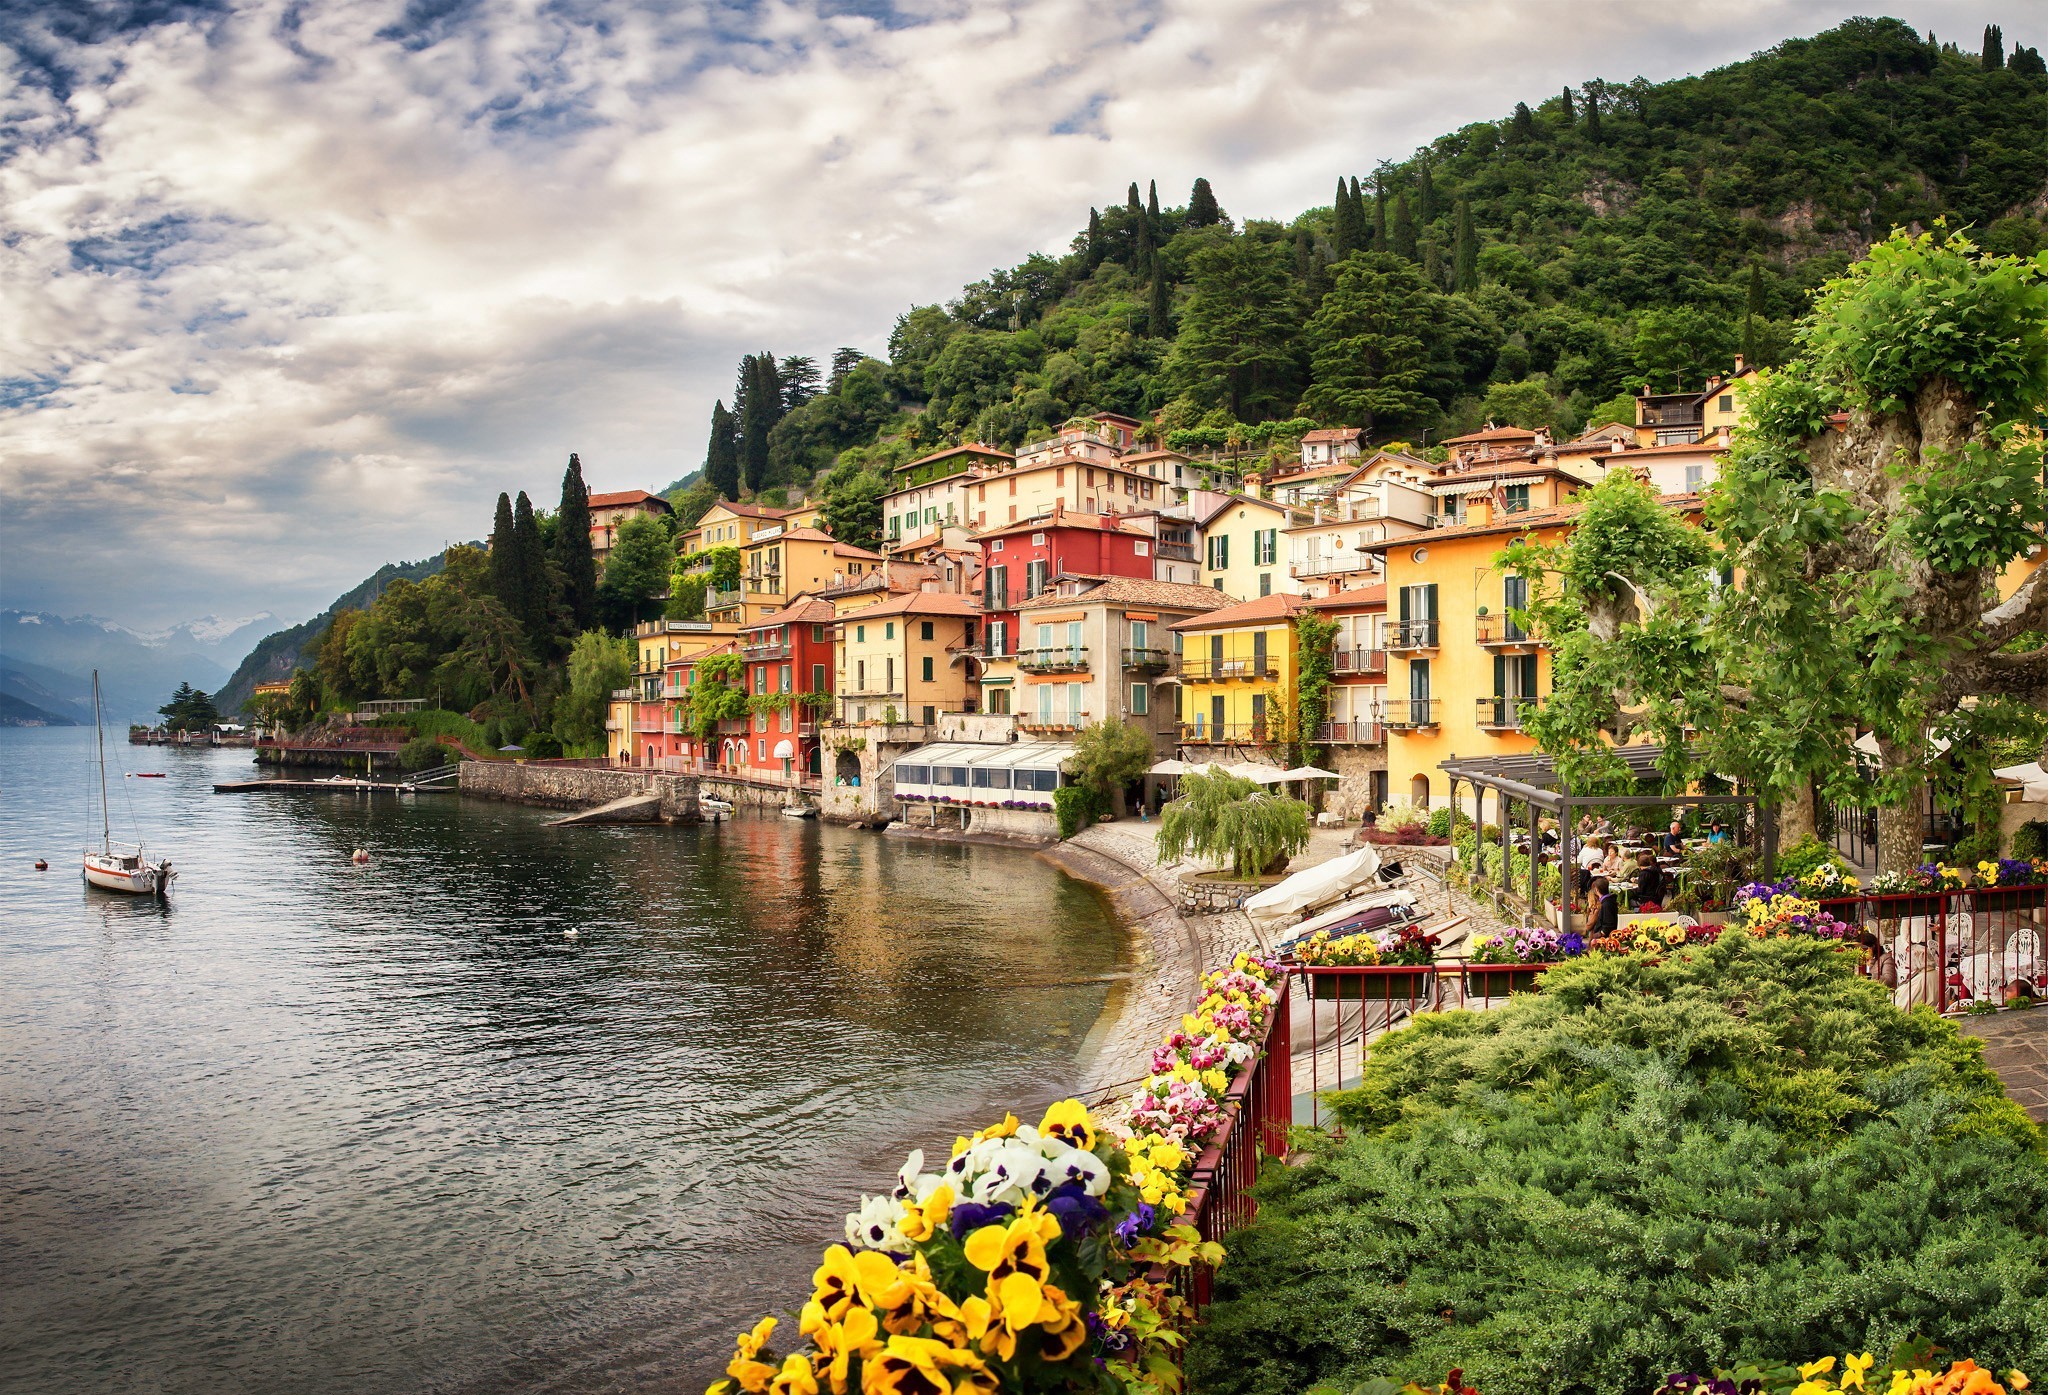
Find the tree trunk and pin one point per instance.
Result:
(1900, 832)
(1796, 815)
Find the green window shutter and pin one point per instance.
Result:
(927, 668)
(1500, 675)
(1405, 592)
(1429, 602)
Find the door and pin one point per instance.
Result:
(1258, 716)
(1258, 653)
(1216, 717)
(1215, 656)
(1514, 597)
(1418, 692)
(1073, 641)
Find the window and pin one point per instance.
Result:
(931, 714)
(997, 545)
(1059, 474)
(760, 750)
(1141, 700)
(889, 630)
(1517, 497)
(950, 776)
(999, 637)
(1219, 552)
(1036, 575)
(1045, 704)
(1265, 547)
(860, 634)
(785, 680)
(995, 590)
(1695, 476)
(1727, 401)
(990, 778)
(1142, 549)
(1258, 651)
(913, 775)
(924, 631)
(927, 668)
(817, 678)
(818, 634)
(1141, 635)
(999, 701)
(1074, 700)
(1265, 583)
(1042, 781)
(1038, 540)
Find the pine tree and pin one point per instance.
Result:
(1156, 326)
(1092, 257)
(530, 572)
(1152, 201)
(1131, 204)
(844, 361)
(1425, 193)
(1569, 114)
(1202, 209)
(1369, 347)
(798, 376)
(1465, 258)
(1344, 237)
(1404, 229)
(504, 554)
(1236, 348)
(1994, 46)
(573, 557)
(1432, 262)
(758, 415)
(722, 455)
(1522, 128)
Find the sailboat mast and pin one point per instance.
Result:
(99, 728)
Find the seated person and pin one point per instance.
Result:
(1590, 854)
(1649, 883)
(1605, 909)
(1672, 844)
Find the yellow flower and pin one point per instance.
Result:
(1069, 1120)
(913, 1300)
(797, 1377)
(1216, 1080)
(845, 1278)
(1853, 1367)
(752, 1374)
(1817, 1368)
(1006, 1129)
(2017, 1379)
(839, 1343)
(921, 1220)
(1065, 1330)
(918, 1366)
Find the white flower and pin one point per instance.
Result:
(1012, 1173)
(877, 1225)
(1079, 1165)
(907, 1175)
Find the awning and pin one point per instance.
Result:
(2031, 778)
(1485, 485)
(784, 749)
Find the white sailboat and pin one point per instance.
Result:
(123, 867)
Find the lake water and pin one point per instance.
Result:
(322, 1128)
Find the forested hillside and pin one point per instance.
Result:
(1530, 269)
(278, 653)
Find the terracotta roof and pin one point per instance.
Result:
(1335, 467)
(919, 603)
(1512, 523)
(1157, 453)
(1334, 433)
(1278, 606)
(845, 549)
(971, 448)
(1676, 448)
(1135, 590)
(734, 506)
(1492, 433)
(805, 610)
(1357, 597)
(1230, 499)
(624, 498)
(1071, 518)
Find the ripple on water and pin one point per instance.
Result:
(331, 1128)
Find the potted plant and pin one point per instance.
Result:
(1904, 895)
(1385, 954)
(2009, 884)
(1511, 961)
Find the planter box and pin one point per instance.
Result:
(1498, 980)
(2000, 898)
(1373, 983)
(1842, 907)
(1905, 906)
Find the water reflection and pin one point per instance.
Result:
(322, 1127)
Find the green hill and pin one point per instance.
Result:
(1528, 269)
(278, 653)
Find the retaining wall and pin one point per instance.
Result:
(572, 787)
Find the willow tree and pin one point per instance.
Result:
(1222, 818)
(1858, 572)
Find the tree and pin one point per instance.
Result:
(759, 407)
(1752, 311)
(532, 603)
(798, 377)
(1593, 132)
(635, 575)
(1425, 192)
(1404, 229)
(1368, 357)
(1219, 817)
(1465, 261)
(1152, 201)
(1202, 209)
(1345, 230)
(1994, 47)
(844, 361)
(2028, 60)
(574, 561)
(1108, 757)
(1868, 556)
(331, 657)
(1566, 106)
(1236, 346)
(1529, 403)
(599, 664)
(189, 709)
(1156, 325)
(721, 454)
(1618, 409)
(504, 553)
(1522, 125)
(851, 500)
(1379, 214)
(1681, 344)
(1092, 253)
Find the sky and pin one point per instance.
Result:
(292, 288)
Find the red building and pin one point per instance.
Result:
(787, 655)
(1019, 560)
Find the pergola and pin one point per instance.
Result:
(1533, 780)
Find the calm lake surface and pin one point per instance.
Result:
(322, 1128)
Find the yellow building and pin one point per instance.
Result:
(1237, 670)
(778, 563)
(641, 722)
(729, 523)
(908, 658)
(1244, 548)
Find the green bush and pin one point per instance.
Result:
(543, 745)
(1981, 846)
(1440, 823)
(1075, 807)
(1647, 1167)
(2030, 840)
(1806, 856)
(422, 753)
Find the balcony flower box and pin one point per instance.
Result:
(2008, 898)
(1499, 980)
(1392, 983)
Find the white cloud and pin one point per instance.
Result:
(292, 290)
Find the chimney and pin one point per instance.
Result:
(1738, 365)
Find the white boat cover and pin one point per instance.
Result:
(1318, 886)
(1394, 898)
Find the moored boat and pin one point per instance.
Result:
(125, 867)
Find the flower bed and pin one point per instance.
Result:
(1036, 1259)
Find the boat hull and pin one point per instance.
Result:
(112, 876)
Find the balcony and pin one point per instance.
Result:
(1223, 670)
(614, 724)
(624, 694)
(1177, 552)
(1359, 731)
(1410, 636)
(1501, 634)
(1329, 566)
(1503, 713)
(1360, 663)
(715, 599)
(764, 653)
(1408, 714)
(1216, 734)
(648, 726)
(1148, 660)
(1067, 659)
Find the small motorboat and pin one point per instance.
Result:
(798, 811)
(714, 808)
(147, 775)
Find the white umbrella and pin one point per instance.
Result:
(1260, 774)
(2031, 778)
(1310, 772)
(1170, 767)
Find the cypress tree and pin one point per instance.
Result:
(1131, 204)
(1569, 113)
(1994, 46)
(2027, 60)
(1155, 310)
(1404, 229)
(1202, 209)
(721, 455)
(573, 558)
(1752, 311)
(1379, 214)
(531, 571)
(763, 408)
(1425, 193)
(504, 556)
(1152, 199)
(1346, 234)
(1092, 256)
(1137, 231)
(1593, 115)
(1465, 258)
(1432, 262)
(1523, 126)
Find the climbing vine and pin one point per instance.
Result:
(1315, 667)
(715, 694)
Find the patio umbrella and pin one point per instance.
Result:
(1171, 767)
(1259, 774)
(1310, 772)
(2032, 780)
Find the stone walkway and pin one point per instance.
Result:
(2016, 1046)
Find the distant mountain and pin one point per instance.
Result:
(59, 655)
(278, 653)
(16, 713)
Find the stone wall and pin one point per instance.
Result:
(577, 787)
(1351, 796)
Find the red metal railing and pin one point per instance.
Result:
(1954, 946)
(1378, 996)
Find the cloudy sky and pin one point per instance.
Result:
(294, 287)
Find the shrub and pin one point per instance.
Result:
(1803, 857)
(1981, 846)
(543, 745)
(422, 753)
(1440, 823)
(1075, 807)
(1647, 1167)
(1401, 814)
(1233, 821)
(2030, 840)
